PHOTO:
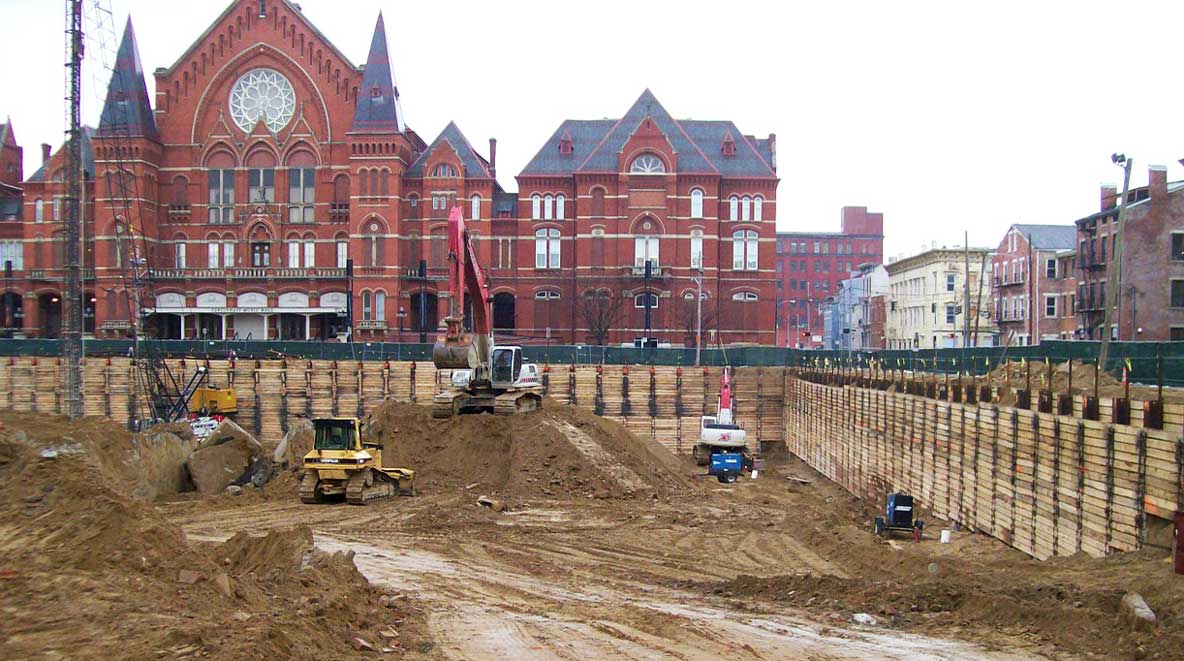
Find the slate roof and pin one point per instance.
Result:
(378, 99)
(10, 207)
(475, 166)
(88, 157)
(597, 143)
(1050, 237)
(126, 107)
(507, 202)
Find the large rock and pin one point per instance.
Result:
(295, 444)
(1137, 613)
(229, 455)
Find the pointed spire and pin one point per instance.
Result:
(126, 107)
(378, 99)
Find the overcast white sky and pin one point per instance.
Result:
(943, 115)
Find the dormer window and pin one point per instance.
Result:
(565, 144)
(375, 92)
(728, 148)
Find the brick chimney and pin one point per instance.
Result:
(1157, 182)
(45, 152)
(493, 157)
(1109, 196)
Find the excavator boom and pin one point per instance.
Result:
(458, 349)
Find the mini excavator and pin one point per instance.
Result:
(486, 377)
(723, 445)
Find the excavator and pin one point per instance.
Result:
(723, 445)
(486, 377)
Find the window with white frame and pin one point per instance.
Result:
(744, 296)
(734, 208)
(294, 253)
(696, 203)
(475, 207)
(1050, 307)
(746, 208)
(379, 306)
(647, 164)
(1050, 268)
(548, 207)
(744, 250)
(696, 249)
(560, 201)
(367, 307)
(536, 206)
(228, 254)
(951, 314)
(57, 207)
(179, 261)
(444, 170)
(214, 250)
(12, 251)
(39, 211)
(645, 249)
(546, 249)
(758, 208)
(310, 253)
(546, 295)
(261, 185)
(950, 281)
(640, 300)
(342, 253)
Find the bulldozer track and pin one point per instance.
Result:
(308, 488)
(368, 485)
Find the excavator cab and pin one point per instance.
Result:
(507, 362)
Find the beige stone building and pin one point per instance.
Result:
(926, 306)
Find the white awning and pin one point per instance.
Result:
(267, 310)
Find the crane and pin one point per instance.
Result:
(486, 377)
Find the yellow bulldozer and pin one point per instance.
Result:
(343, 463)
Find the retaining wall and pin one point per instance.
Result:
(1046, 484)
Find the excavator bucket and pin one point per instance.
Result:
(457, 352)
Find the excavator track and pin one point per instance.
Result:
(308, 488)
(517, 402)
(367, 485)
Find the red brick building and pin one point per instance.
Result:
(810, 266)
(603, 199)
(1034, 284)
(268, 160)
(1150, 300)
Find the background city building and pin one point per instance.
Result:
(810, 266)
(1034, 284)
(926, 301)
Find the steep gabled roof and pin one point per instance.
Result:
(604, 157)
(126, 108)
(475, 165)
(88, 157)
(597, 144)
(378, 107)
(1049, 237)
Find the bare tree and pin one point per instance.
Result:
(688, 318)
(601, 309)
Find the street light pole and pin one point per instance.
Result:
(1115, 275)
(698, 315)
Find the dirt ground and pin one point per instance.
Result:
(626, 556)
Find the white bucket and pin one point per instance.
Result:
(945, 537)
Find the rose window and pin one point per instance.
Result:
(262, 94)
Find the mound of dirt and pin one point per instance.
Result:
(90, 573)
(558, 452)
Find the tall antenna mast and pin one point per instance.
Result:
(72, 296)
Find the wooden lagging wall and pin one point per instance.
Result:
(1048, 485)
(663, 405)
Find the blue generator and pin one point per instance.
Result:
(899, 515)
(727, 466)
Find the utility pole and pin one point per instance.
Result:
(72, 296)
(1114, 277)
(966, 289)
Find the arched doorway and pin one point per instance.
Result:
(12, 314)
(50, 309)
(503, 312)
(424, 315)
(209, 326)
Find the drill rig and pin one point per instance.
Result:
(486, 377)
